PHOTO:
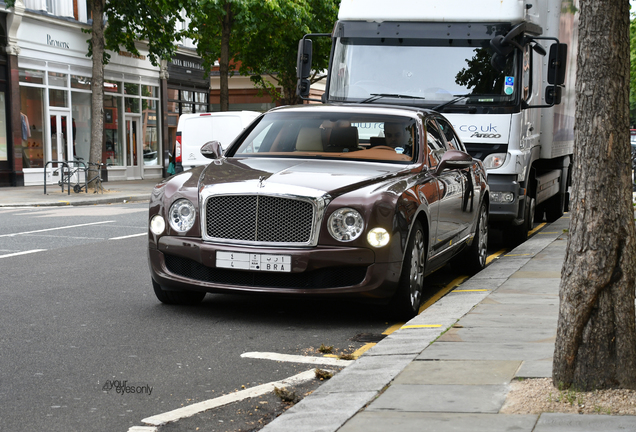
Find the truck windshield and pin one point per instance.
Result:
(433, 72)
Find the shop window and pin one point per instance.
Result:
(58, 98)
(31, 76)
(150, 91)
(113, 134)
(58, 79)
(131, 89)
(150, 133)
(81, 124)
(186, 108)
(132, 105)
(32, 121)
(112, 86)
(80, 82)
(201, 97)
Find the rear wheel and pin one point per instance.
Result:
(555, 207)
(177, 297)
(406, 302)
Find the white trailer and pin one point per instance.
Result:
(502, 71)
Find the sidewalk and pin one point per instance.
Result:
(114, 192)
(450, 368)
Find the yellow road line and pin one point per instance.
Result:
(393, 328)
(442, 293)
(494, 256)
(364, 348)
(537, 228)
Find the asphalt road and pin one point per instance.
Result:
(78, 313)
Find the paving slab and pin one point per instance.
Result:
(374, 421)
(320, 412)
(468, 372)
(405, 342)
(500, 335)
(368, 373)
(442, 398)
(487, 351)
(482, 320)
(527, 310)
(502, 268)
(553, 422)
(529, 286)
(535, 369)
(515, 298)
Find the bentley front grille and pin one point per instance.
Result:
(259, 218)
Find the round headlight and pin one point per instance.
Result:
(182, 215)
(157, 225)
(345, 224)
(378, 237)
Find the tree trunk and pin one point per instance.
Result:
(596, 336)
(224, 62)
(97, 86)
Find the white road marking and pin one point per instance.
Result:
(196, 408)
(327, 361)
(143, 429)
(57, 228)
(128, 236)
(22, 253)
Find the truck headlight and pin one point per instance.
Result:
(345, 224)
(502, 197)
(182, 215)
(495, 160)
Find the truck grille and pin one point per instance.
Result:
(259, 218)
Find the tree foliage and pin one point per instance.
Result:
(263, 37)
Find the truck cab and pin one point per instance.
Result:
(497, 70)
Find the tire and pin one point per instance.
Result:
(406, 301)
(518, 234)
(473, 259)
(177, 297)
(77, 188)
(555, 207)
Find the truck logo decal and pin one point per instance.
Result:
(485, 135)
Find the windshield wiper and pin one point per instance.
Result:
(376, 96)
(440, 108)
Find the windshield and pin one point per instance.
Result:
(333, 135)
(363, 67)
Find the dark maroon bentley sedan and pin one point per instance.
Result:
(322, 200)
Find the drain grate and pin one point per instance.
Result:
(368, 337)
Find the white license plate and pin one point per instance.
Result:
(258, 262)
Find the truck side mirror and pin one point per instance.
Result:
(556, 65)
(212, 150)
(553, 95)
(303, 67)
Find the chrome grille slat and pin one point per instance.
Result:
(259, 218)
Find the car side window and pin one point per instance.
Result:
(452, 140)
(435, 144)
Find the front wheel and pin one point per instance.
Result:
(518, 234)
(177, 297)
(406, 302)
(473, 259)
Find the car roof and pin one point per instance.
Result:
(395, 110)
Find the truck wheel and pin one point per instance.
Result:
(406, 301)
(473, 259)
(515, 235)
(177, 297)
(554, 207)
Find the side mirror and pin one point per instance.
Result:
(303, 67)
(556, 64)
(454, 159)
(212, 150)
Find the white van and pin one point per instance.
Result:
(194, 130)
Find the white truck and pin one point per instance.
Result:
(502, 71)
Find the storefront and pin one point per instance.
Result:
(188, 90)
(55, 105)
(7, 171)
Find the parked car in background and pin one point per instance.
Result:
(322, 200)
(194, 130)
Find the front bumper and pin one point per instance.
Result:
(500, 211)
(186, 263)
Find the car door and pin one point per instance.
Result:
(470, 196)
(449, 223)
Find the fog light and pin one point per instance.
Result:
(157, 225)
(378, 237)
